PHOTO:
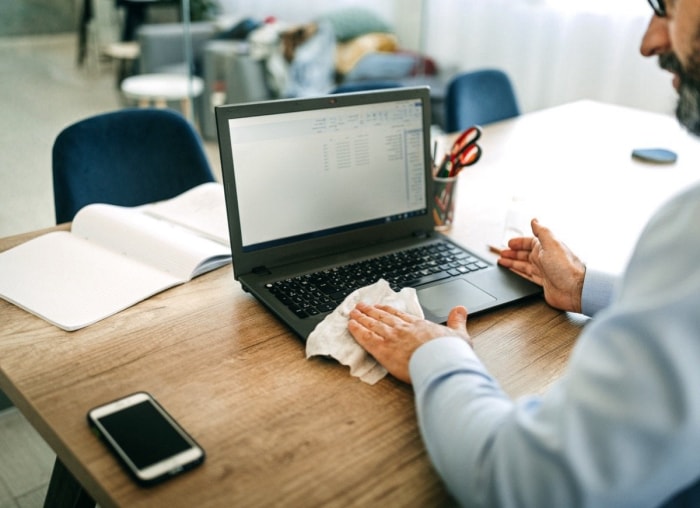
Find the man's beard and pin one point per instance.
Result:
(688, 107)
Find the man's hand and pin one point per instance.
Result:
(548, 262)
(391, 336)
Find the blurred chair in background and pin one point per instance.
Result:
(479, 98)
(129, 157)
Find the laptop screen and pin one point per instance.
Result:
(311, 173)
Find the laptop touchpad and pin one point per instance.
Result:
(440, 299)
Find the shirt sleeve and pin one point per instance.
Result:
(618, 429)
(598, 291)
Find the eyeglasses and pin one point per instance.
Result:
(659, 7)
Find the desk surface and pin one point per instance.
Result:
(279, 429)
(573, 165)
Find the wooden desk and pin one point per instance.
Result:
(280, 430)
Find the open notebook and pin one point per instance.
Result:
(114, 257)
(315, 183)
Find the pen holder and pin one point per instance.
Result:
(445, 190)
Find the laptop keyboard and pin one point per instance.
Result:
(321, 292)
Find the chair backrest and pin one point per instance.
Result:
(479, 98)
(128, 157)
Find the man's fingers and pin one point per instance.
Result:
(395, 313)
(385, 313)
(380, 319)
(516, 255)
(520, 243)
(457, 319)
(366, 329)
(542, 233)
(365, 315)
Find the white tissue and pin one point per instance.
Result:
(332, 338)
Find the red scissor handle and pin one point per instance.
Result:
(466, 138)
(470, 155)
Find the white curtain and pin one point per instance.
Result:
(555, 51)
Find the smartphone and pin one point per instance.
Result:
(145, 438)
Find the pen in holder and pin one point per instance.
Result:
(445, 192)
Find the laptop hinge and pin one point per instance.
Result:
(261, 270)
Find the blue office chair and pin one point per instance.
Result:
(128, 157)
(479, 98)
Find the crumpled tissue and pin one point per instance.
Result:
(332, 338)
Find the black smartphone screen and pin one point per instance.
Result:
(144, 434)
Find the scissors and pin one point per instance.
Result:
(469, 137)
(464, 152)
(470, 155)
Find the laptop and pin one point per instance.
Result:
(315, 184)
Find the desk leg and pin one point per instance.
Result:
(65, 491)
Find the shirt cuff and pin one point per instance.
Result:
(597, 293)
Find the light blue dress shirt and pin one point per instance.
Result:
(621, 428)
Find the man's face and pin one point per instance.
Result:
(688, 85)
(683, 59)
